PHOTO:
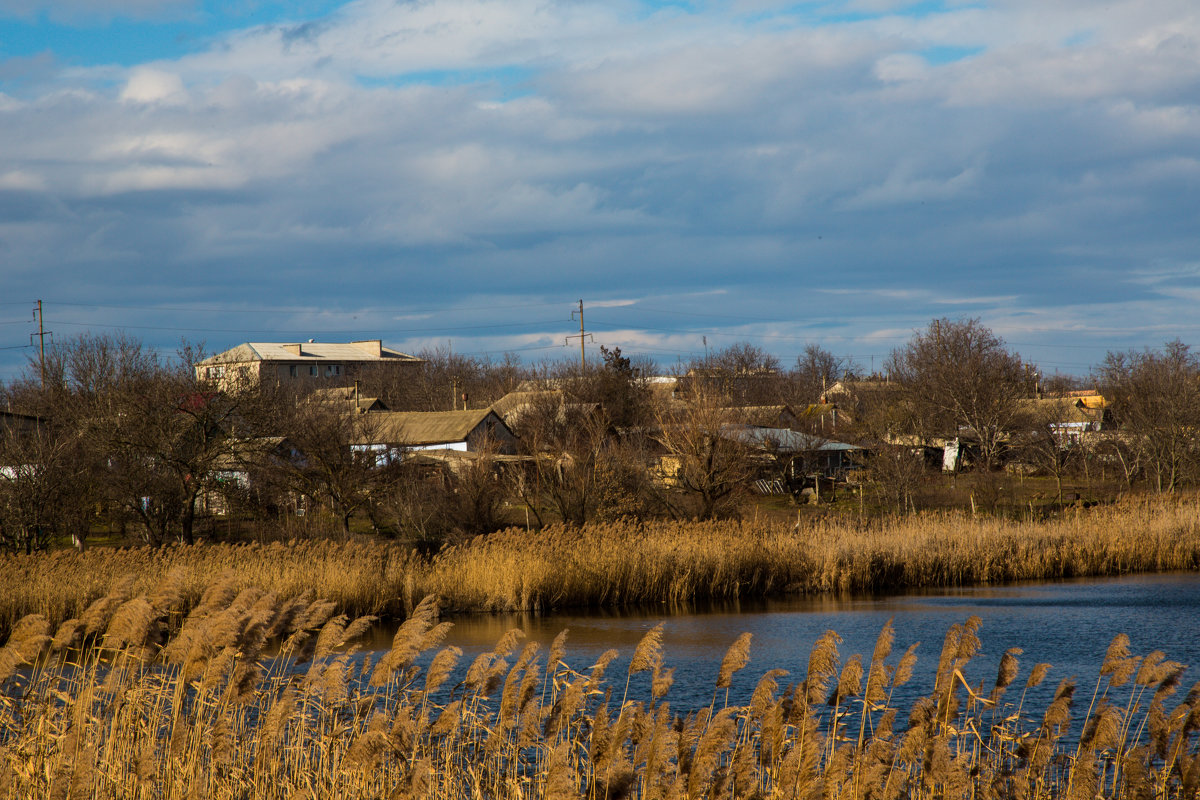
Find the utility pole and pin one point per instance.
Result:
(41, 334)
(582, 337)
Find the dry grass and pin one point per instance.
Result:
(205, 714)
(627, 563)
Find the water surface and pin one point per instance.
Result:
(1067, 624)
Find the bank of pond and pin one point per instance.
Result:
(625, 563)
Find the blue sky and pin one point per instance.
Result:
(461, 172)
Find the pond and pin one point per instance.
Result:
(1066, 624)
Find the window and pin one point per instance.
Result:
(333, 370)
(312, 370)
(293, 371)
(213, 373)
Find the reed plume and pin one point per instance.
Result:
(736, 658)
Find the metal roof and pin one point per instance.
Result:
(783, 439)
(309, 351)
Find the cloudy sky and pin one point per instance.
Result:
(461, 172)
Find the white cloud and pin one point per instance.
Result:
(901, 186)
(21, 180)
(149, 85)
(420, 147)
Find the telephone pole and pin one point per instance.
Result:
(41, 334)
(582, 337)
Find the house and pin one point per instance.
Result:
(18, 435)
(392, 433)
(550, 404)
(303, 365)
(19, 426)
(514, 405)
(347, 397)
(1071, 418)
(820, 415)
(849, 394)
(456, 462)
(803, 453)
(1087, 398)
(777, 416)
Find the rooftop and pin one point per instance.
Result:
(427, 427)
(365, 350)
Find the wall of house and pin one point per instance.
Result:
(492, 432)
(309, 370)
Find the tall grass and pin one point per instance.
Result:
(204, 714)
(628, 563)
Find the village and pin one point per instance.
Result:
(304, 438)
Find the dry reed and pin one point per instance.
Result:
(124, 719)
(615, 564)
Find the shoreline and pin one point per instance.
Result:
(615, 565)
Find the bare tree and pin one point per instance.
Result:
(156, 435)
(894, 474)
(1155, 401)
(446, 381)
(817, 369)
(567, 441)
(739, 375)
(331, 463)
(959, 375)
(1042, 443)
(47, 484)
(710, 466)
(477, 493)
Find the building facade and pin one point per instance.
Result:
(302, 365)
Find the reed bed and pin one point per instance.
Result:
(109, 706)
(621, 563)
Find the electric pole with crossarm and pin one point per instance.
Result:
(41, 334)
(582, 337)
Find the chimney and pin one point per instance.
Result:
(373, 347)
(294, 349)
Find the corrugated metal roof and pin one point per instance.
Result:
(783, 439)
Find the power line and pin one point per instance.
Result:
(739, 335)
(304, 331)
(295, 309)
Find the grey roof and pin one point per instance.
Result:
(369, 350)
(783, 439)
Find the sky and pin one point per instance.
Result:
(461, 173)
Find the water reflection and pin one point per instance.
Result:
(1068, 624)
